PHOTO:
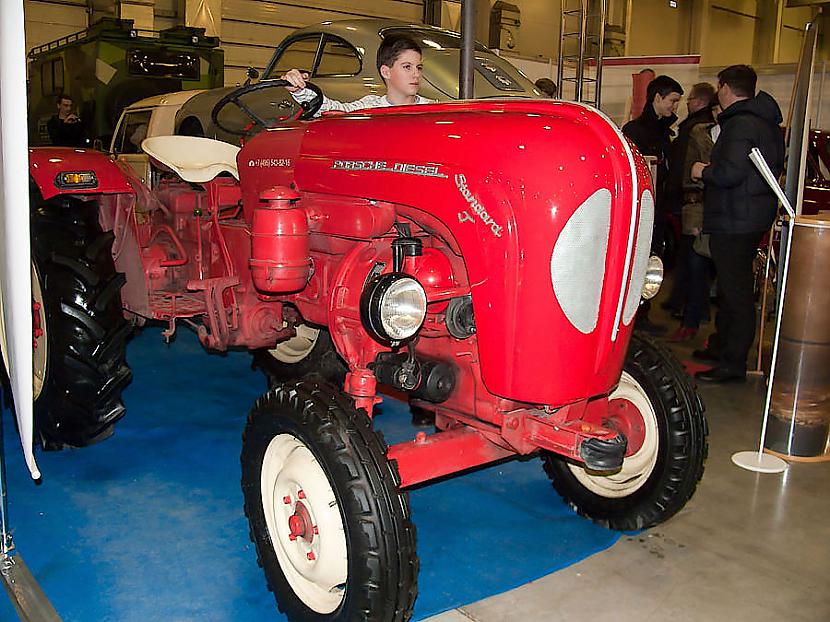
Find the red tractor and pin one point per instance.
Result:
(485, 258)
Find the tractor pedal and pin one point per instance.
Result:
(603, 455)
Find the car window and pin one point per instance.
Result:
(299, 54)
(338, 59)
(131, 131)
(435, 39)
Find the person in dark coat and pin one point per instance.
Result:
(65, 128)
(651, 133)
(738, 208)
(699, 103)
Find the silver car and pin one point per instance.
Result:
(340, 57)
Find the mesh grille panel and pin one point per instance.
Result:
(577, 265)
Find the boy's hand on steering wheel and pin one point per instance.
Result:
(297, 80)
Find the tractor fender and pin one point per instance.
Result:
(46, 164)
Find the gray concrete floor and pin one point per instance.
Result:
(748, 546)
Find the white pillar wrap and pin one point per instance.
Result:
(15, 255)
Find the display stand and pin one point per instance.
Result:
(751, 460)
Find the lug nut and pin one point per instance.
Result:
(300, 494)
(286, 500)
(310, 556)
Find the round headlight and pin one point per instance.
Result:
(654, 277)
(393, 307)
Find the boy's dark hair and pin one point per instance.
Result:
(663, 85)
(704, 91)
(63, 96)
(547, 86)
(393, 46)
(742, 79)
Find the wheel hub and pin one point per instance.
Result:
(625, 418)
(300, 524)
(632, 414)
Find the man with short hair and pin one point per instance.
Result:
(651, 133)
(699, 105)
(548, 87)
(738, 208)
(65, 128)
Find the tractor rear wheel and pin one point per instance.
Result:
(661, 415)
(331, 527)
(310, 352)
(80, 332)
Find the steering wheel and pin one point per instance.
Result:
(307, 109)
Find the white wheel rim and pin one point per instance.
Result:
(40, 350)
(637, 467)
(292, 483)
(298, 347)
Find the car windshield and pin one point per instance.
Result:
(435, 39)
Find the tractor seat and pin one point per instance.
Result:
(192, 158)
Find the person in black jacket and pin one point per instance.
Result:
(65, 128)
(651, 133)
(738, 208)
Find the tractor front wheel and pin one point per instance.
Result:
(331, 527)
(660, 414)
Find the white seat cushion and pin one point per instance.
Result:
(194, 159)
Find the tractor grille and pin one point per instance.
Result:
(577, 264)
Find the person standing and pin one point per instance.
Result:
(651, 133)
(65, 128)
(680, 193)
(738, 208)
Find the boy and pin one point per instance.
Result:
(399, 64)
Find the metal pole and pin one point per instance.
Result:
(580, 67)
(468, 26)
(6, 544)
(600, 49)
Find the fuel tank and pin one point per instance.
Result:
(551, 208)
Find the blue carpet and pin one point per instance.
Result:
(149, 525)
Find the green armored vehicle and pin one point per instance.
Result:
(110, 65)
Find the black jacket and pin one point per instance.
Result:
(678, 151)
(66, 134)
(652, 136)
(737, 199)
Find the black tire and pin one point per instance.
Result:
(380, 584)
(681, 432)
(85, 330)
(322, 361)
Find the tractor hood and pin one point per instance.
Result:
(549, 206)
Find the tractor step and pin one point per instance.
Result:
(169, 305)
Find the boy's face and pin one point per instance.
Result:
(404, 76)
(666, 106)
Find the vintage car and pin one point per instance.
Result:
(340, 58)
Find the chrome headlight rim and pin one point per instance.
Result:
(372, 307)
(654, 277)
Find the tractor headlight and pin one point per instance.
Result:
(393, 307)
(654, 277)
